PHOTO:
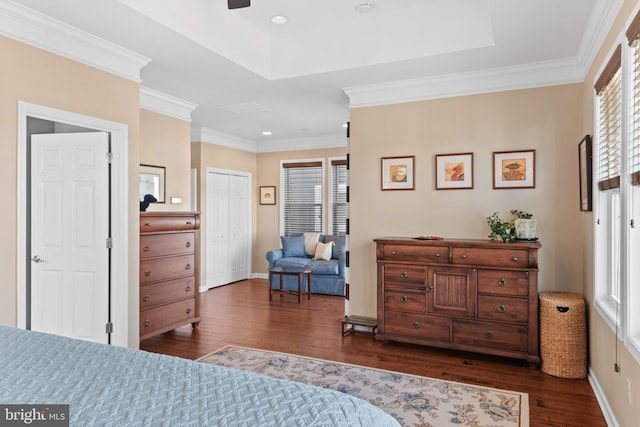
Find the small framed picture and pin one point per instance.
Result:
(514, 169)
(454, 171)
(268, 195)
(152, 181)
(584, 160)
(398, 173)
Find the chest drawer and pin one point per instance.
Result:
(405, 275)
(516, 258)
(513, 283)
(490, 334)
(152, 222)
(417, 325)
(399, 299)
(166, 244)
(166, 268)
(416, 253)
(160, 317)
(503, 309)
(165, 292)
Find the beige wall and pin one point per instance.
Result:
(166, 141)
(546, 119)
(603, 344)
(268, 220)
(35, 76)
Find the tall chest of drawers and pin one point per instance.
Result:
(471, 295)
(169, 273)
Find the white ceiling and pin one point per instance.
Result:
(298, 80)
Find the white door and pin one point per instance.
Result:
(69, 231)
(228, 217)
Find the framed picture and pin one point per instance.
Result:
(585, 164)
(514, 169)
(454, 171)
(398, 173)
(152, 181)
(268, 195)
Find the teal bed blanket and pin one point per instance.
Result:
(113, 386)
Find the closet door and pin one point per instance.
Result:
(217, 230)
(239, 215)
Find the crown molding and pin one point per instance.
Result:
(308, 143)
(210, 136)
(44, 32)
(166, 104)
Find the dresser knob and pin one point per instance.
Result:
(188, 222)
(147, 298)
(502, 281)
(463, 256)
(488, 335)
(404, 298)
(404, 275)
(188, 244)
(514, 259)
(147, 272)
(147, 224)
(437, 254)
(146, 249)
(187, 267)
(502, 308)
(188, 311)
(393, 253)
(416, 325)
(187, 289)
(430, 289)
(147, 323)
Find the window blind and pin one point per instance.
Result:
(609, 90)
(634, 142)
(339, 197)
(302, 197)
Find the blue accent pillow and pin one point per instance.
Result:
(293, 246)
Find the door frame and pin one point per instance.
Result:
(249, 176)
(119, 268)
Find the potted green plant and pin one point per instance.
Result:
(501, 228)
(525, 225)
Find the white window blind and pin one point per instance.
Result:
(339, 197)
(634, 142)
(302, 197)
(609, 90)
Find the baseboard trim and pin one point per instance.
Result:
(609, 416)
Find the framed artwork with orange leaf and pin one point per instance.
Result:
(454, 171)
(514, 169)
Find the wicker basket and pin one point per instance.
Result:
(563, 335)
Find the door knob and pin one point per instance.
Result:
(37, 259)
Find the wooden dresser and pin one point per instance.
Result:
(169, 274)
(471, 295)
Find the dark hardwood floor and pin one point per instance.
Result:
(241, 314)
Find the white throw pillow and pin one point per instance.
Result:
(323, 250)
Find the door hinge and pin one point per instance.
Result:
(109, 243)
(109, 157)
(109, 328)
(633, 223)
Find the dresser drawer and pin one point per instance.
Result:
(500, 282)
(401, 299)
(431, 254)
(150, 222)
(165, 292)
(516, 258)
(154, 245)
(502, 336)
(405, 275)
(166, 268)
(503, 309)
(417, 325)
(163, 316)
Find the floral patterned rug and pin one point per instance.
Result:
(412, 400)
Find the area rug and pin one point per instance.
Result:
(412, 400)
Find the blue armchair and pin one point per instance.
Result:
(327, 277)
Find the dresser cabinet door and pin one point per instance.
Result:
(451, 291)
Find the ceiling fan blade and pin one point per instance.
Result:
(237, 4)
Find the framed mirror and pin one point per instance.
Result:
(152, 181)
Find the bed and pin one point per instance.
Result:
(114, 386)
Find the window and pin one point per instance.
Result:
(338, 197)
(302, 197)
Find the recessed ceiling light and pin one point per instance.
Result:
(279, 19)
(364, 7)
(267, 133)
